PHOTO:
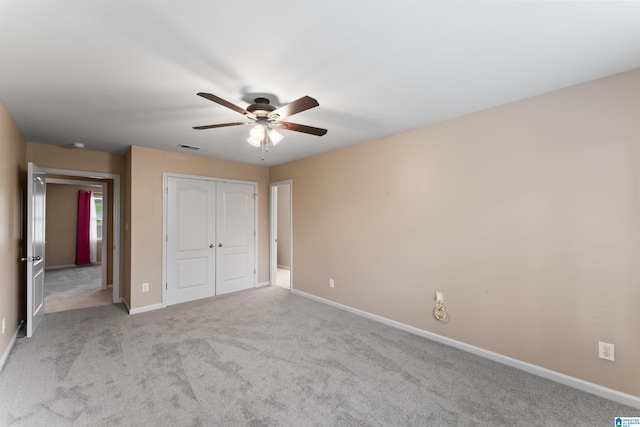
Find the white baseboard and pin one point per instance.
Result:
(5, 356)
(591, 388)
(144, 309)
(261, 284)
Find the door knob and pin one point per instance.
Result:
(211, 245)
(37, 258)
(219, 245)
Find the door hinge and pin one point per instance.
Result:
(255, 196)
(254, 233)
(166, 286)
(254, 271)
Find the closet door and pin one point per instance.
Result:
(236, 237)
(191, 254)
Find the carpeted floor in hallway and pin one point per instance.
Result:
(73, 288)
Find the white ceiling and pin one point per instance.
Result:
(112, 74)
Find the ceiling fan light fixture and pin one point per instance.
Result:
(254, 142)
(275, 136)
(257, 132)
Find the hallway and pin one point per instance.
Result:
(73, 288)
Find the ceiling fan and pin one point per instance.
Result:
(267, 118)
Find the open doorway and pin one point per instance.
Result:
(281, 235)
(106, 272)
(77, 277)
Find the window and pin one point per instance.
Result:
(97, 199)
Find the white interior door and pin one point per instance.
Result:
(36, 210)
(190, 239)
(236, 236)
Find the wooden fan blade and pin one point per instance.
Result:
(295, 107)
(301, 128)
(221, 125)
(224, 103)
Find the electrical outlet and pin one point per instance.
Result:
(606, 351)
(145, 287)
(331, 283)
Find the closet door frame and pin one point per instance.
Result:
(165, 186)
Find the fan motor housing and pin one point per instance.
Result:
(261, 108)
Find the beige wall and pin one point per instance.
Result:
(526, 216)
(147, 167)
(62, 215)
(12, 181)
(52, 156)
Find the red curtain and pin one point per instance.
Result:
(83, 251)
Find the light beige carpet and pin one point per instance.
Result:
(73, 288)
(266, 357)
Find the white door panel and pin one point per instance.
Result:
(36, 211)
(193, 212)
(235, 260)
(235, 266)
(190, 238)
(192, 272)
(236, 215)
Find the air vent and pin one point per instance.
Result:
(189, 147)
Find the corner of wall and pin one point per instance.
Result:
(13, 166)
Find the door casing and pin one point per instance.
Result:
(273, 221)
